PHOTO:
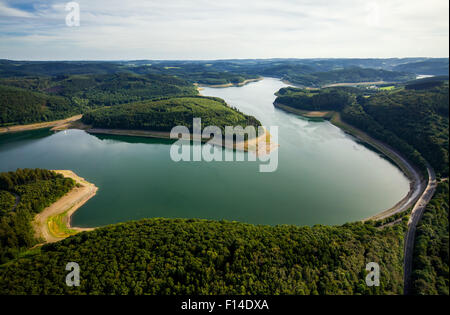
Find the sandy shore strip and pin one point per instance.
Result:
(48, 124)
(305, 113)
(54, 222)
(250, 145)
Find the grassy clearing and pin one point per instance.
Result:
(57, 226)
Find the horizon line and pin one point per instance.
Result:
(220, 59)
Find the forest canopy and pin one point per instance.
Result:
(177, 256)
(163, 115)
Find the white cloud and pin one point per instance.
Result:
(6, 11)
(205, 29)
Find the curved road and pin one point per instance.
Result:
(416, 215)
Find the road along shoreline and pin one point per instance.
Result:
(54, 222)
(416, 216)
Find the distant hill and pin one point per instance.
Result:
(427, 67)
(235, 70)
(10, 68)
(192, 72)
(347, 75)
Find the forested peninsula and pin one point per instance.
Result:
(164, 114)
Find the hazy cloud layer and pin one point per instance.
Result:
(201, 29)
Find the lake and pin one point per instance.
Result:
(324, 176)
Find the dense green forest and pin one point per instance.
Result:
(426, 83)
(176, 256)
(195, 73)
(431, 259)
(315, 100)
(36, 189)
(35, 99)
(357, 116)
(351, 74)
(413, 121)
(20, 106)
(427, 67)
(419, 117)
(163, 115)
(7, 201)
(107, 90)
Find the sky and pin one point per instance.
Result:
(225, 29)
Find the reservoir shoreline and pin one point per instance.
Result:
(42, 125)
(417, 180)
(250, 143)
(229, 84)
(74, 147)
